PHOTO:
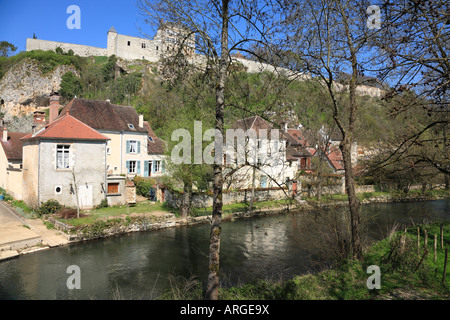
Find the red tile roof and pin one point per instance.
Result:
(67, 128)
(13, 145)
(299, 137)
(335, 157)
(155, 145)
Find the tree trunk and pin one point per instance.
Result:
(212, 290)
(354, 205)
(346, 148)
(252, 200)
(186, 201)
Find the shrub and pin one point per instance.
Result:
(70, 85)
(102, 204)
(22, 205)
(48, 207)
(144, 185)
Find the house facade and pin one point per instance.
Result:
(11, 162)
(265, 159)
(133, 148)
(64, 161)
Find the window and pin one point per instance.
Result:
(157, 165)
(156, 48)
(129, 43)
(131, 126)
(108, 148)
(143, 45)
(58, 189)
(62, 157)
(150, 138)
(113, 187)
(133, 146)
(132, 166)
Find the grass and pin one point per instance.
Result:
(368, 195)
(115, 212)
(229, 209)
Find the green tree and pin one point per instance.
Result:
(6, 49)
(70, 85)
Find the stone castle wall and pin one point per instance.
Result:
(78, 49)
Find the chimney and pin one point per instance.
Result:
(141, 121)
(5, 134)
(54, 106)
(38, 121)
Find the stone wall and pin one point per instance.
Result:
(78, 49)
(202, 199)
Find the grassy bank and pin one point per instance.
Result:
(403, 276)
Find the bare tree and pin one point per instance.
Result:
(412, 52)
(330, 37)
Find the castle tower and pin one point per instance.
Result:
(112, 42)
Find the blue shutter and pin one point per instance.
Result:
(127, 164)
(128, 146)
(163, 169)
(138, 147)
(153, 166)
(138, 167)
(145, 168)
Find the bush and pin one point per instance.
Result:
(144, 185)
(70, 85)
(6, 195)
(48, 207)
(102, 204)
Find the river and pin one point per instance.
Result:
(137, 265)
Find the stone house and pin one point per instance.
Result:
(268, 161)
(133, 148)
(63, 160)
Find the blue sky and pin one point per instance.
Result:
(19, 19)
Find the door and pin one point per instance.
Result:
(85, 196)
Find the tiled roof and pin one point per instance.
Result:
(299, 137)
(335, 157)
(294, 153)
(13, 145)
(68, 128)
(156, 145)
(102, 115)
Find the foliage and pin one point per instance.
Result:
(49, 207)
(6, 48)
(22, 205)
(70, 85)
(102, 204)
(6, 195)
(144, 185)
(48, 60)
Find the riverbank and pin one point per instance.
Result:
(406, 272)
(148, 216)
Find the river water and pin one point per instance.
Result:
(137, 265)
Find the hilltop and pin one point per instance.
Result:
(28, 78)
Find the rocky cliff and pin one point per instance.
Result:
(26, 86)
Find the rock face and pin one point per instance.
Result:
(25, 87)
